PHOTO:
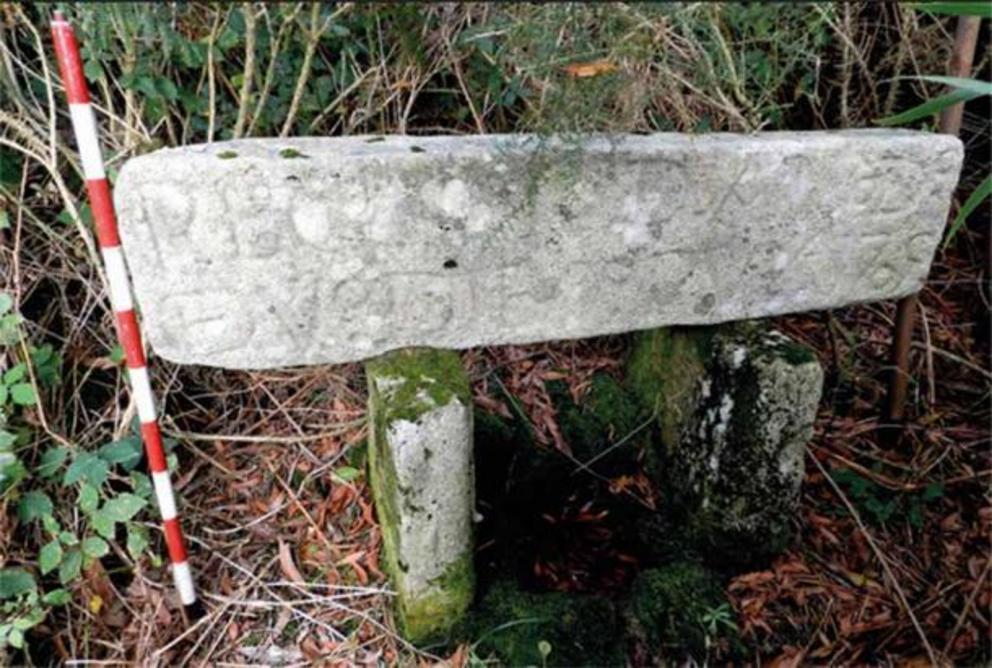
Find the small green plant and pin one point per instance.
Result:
(108, 491)
(544, 649)
(717, 621)
(880, 505)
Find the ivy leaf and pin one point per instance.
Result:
(122, 507)
(6, 302)
(51, 524)
(14, 582)
(141, 484)
(346, 473)
(126, 452)
(34, 505)
(137, 539)
(12, 471)
(50, 556)
(89, 498)
(95, 547)
(15, 374)
(51, 461)
(56, 597)
(86, 466)
(23, 394)
(103, 525)
(71, 565)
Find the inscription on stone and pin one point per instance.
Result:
(272, 252)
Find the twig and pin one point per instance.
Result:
(270, 70)
(313, 36)
(243, 438)
(967, 607)
(249, 71)
(212, 78)
(881, 558)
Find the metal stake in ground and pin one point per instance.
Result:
(950, 123)
(119, 287)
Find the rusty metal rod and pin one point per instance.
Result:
(965, 38)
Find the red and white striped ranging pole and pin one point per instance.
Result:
(98, 189)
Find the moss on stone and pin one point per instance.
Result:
(664, 370)
(607, 414)
(680, 611)
(512, 624)
(291, 153)
(415, 380)
(431, 617)
(227, 155)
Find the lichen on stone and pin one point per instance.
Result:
(739, 464)
(735, 405)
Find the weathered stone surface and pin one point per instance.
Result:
(746, 409)
(263, 253)
(423, 481)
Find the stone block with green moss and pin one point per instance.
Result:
(680, 613)
(522, 628)
(422, 477)
(665, 370)
(736, 407)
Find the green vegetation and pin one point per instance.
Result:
(664, 370)
(880, 505)
(682, 608)
(107, 492)
(608, 430)
(544, 629)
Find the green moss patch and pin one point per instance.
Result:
(680, 611)
(430, 618)
(663, 371)
(414, 380)
(523, 628)
(291, 153)
(607, 427)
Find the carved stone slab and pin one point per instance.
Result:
(271, 252)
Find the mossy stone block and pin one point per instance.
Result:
(571, 629)
(665, 370)
(740, 460)
(422, 476)
(680, 612)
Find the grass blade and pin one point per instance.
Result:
(983, 9)
(976, 86)
(929, 108)
(980, 193)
